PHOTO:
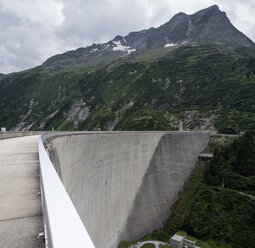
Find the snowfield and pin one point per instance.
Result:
(120, 47)
(171, 45)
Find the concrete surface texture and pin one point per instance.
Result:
(124, 184)
(20, 205)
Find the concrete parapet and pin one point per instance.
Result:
(15, 134)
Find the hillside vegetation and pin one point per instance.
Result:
(203, 86)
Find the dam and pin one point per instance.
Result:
(121, 184)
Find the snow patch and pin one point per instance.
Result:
(120, 47)
(94, 50)
(170, 45)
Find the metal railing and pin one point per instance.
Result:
(63, 227)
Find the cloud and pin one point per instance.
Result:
(33, 30)
(27, 32)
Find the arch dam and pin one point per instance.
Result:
(120, 185)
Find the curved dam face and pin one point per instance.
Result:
(123, 184)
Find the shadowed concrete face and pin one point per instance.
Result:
(123, 184)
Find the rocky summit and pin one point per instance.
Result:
(207, 25)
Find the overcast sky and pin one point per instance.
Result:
(33, 30)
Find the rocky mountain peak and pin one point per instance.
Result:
(178, 15)
(214, 7)
(118, 38)
(212, 24)
(207, 25)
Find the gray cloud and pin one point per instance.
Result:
(33, 30)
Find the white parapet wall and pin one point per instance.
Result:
(63, 227)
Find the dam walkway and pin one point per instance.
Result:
(20, 205)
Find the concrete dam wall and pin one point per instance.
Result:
(123, 184)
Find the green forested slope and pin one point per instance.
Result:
(205, 86)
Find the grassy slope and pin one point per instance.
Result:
(148, 91)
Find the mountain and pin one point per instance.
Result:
(194, 72)
(209, 24)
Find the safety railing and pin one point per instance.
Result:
(63, 227)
